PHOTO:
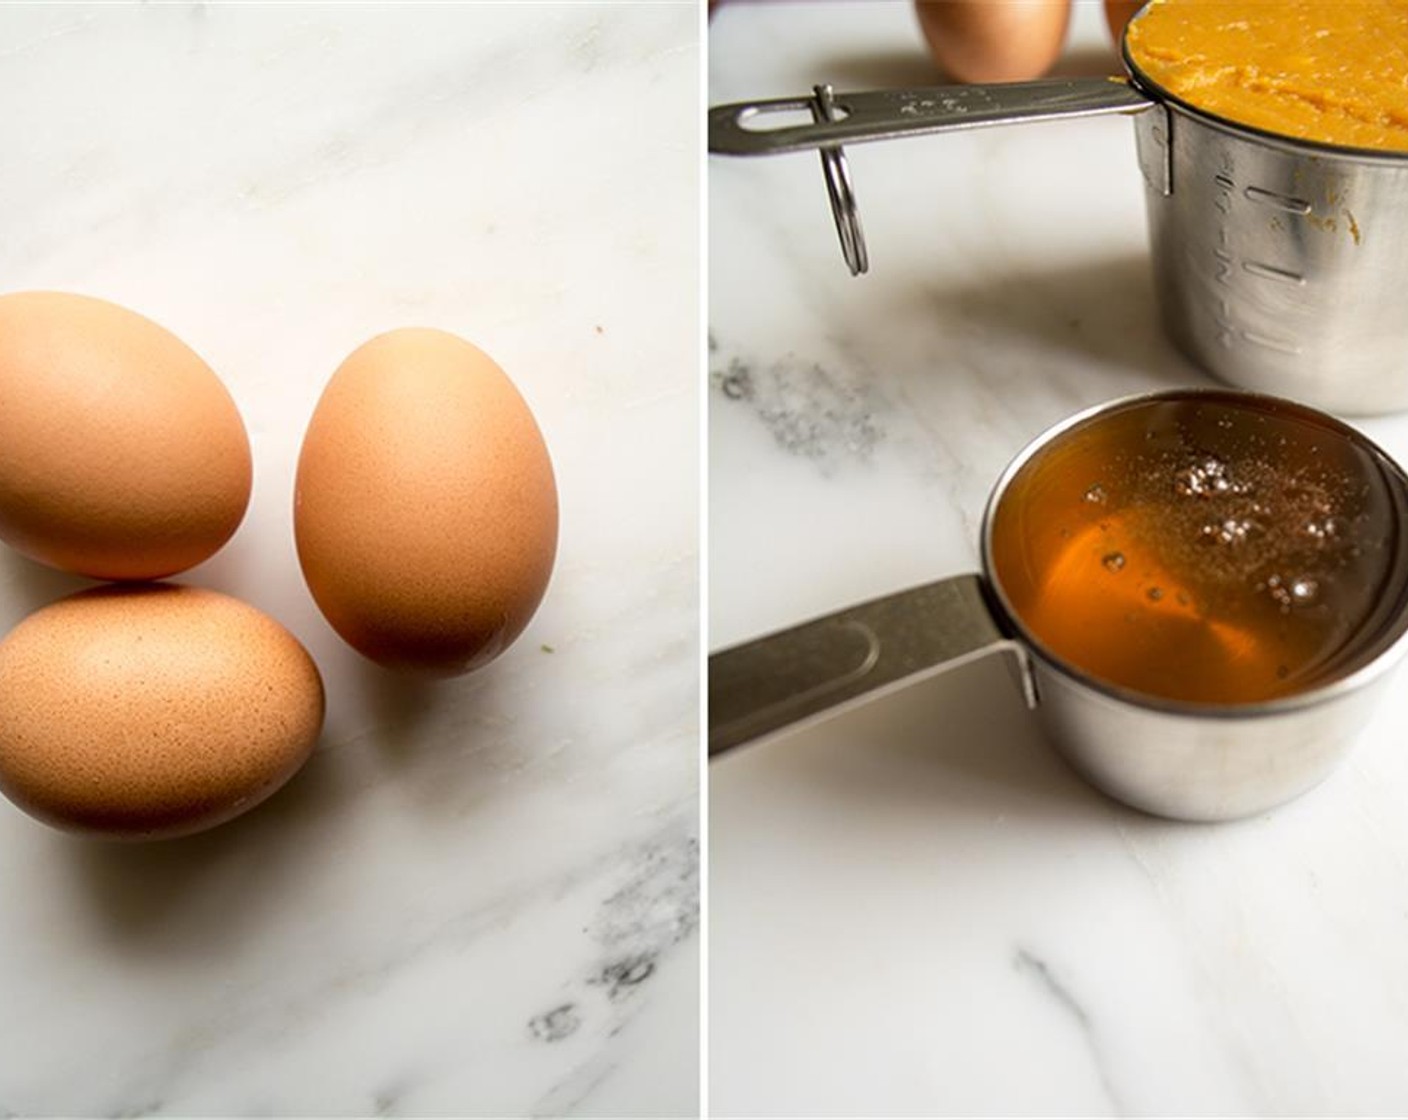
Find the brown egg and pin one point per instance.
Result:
(151, 710)
(1118, 13)
(122, 456)
(994, 40)
(425, 508)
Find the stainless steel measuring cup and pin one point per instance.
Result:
(1191, 761)
(1279, 264)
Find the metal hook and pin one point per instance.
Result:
(883, 114)
(839, 189)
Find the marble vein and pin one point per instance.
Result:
(810, 410)
(653, 910)
(1028, 963)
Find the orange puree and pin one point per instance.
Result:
(1335, 71)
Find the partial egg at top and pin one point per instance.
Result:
(994, 40)
(122, 455)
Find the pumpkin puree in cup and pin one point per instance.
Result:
(1331, 71)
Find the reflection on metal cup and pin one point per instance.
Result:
(1279, 265)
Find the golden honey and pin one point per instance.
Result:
(1204, 549)
(1332, 71)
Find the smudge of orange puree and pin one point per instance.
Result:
(1334, 71)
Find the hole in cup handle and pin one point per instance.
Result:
(820, 667)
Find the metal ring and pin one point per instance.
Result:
(839, 189)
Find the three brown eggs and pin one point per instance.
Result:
(425, 518)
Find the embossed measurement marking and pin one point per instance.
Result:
(1271, 272)
(1222, 274)
(1289, 203)
(1225, 262)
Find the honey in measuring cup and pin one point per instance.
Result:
(1211, 548)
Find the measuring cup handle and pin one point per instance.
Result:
(863, 651)
(882, 114)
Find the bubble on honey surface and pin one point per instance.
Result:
(1224, 520)
(1299, 591)
(1245, 523)
(1207, 477)
(1255, 546)
(1322, 528)
(1231, 530)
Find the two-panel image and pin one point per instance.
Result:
(665, 558)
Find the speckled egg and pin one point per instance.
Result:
(122, 456)
(151, 710)
(425, 508)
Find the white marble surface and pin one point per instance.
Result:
(917, 909)
(480, 897)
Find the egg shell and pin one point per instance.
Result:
(139, 711)
(994, 40)
(122, 456)
(425, 507)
